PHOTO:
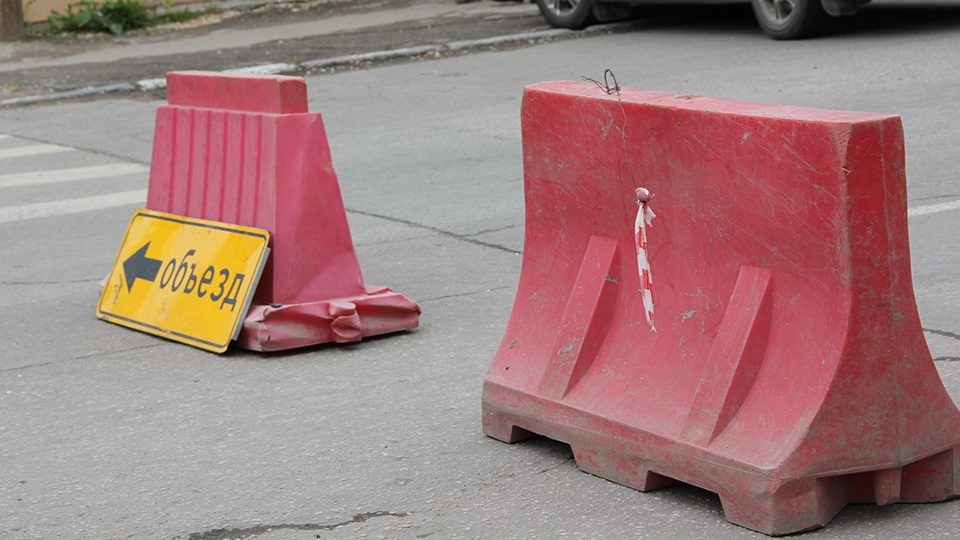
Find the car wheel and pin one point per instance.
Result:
(789, 19)
(572, 14)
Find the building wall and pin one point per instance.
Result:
(38, 10)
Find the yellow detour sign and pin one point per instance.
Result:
(185, 279)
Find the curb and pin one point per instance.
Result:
(324, 63)
(81, 92)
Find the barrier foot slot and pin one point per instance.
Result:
(501, 428)
(794, 506)
(626, 468)
(936, 478)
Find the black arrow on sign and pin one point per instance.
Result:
(139, 266)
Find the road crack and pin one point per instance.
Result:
(946, 334)
(943, 333)
(460, 295)
(449, 234)
(91, 355)
(250, 532)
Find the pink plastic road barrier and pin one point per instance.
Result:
(243, 149)
(788, 372)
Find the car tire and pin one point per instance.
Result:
(789, 19)
(572, 14)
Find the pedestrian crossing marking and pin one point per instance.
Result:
(70, 175)
(71, 206)
(33, 150)
(932, 208)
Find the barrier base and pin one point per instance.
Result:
(342, 320)
(759, 499)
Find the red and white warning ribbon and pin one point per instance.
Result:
(644, 216)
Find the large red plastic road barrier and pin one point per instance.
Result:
(788, 371)
(243, 149)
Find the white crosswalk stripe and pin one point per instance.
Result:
(71, 206)
(933, 208)
(69, 175)
(33, 150)
(26, 203)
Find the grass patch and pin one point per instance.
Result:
(117, 16)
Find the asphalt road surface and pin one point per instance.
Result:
(110, 433)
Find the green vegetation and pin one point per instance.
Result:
(182, 15)
(117, 16)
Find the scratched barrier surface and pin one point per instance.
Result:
(787, 370)
(243, 149)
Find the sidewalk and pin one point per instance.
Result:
(18, 56)
(251, 35)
